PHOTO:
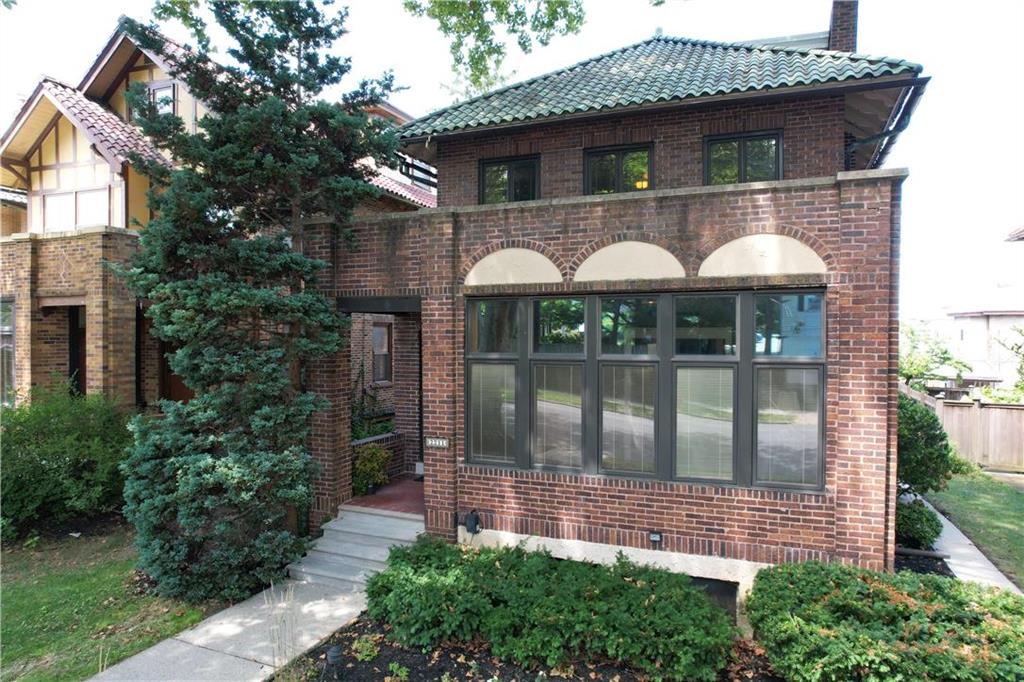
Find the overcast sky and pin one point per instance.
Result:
(964, 147)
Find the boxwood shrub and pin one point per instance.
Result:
(534, 609)
(917, 526)
(828, 622)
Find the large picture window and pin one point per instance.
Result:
(723, 387)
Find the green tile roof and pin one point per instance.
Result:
(662, 69)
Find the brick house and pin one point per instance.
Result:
(653, 311)
(658, 307)
(71, 200)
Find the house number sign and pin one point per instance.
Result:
(435, 442)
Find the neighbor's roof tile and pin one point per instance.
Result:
(662, 69)
(119, 138)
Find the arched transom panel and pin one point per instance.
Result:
(629, 260)
(513, 266)
(762, 254)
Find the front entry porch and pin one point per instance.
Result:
(403, 494)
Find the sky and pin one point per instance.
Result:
(964, 146)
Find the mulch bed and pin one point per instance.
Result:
(474, 663)
(923, 564)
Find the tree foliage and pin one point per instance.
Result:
(923, 354)
(209, 483)
(478, 52)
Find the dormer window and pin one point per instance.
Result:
(503, 180)
(743, 158)
(618, 170)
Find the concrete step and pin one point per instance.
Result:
(356, 546)
(371, 511)
(332, 566)
(340, 552)
(305, 574)
(379, 527)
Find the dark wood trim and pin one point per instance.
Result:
(39, 140)
(385, 305)
(122, 75)
(10, 167)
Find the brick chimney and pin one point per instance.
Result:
(842, 30)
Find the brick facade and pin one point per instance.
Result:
(849, 219)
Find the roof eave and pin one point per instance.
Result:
(851, 85)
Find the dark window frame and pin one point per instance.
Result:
(619, 151)
(7, 396)
(742, 170)
(533, 159)
(744, 363)
(389, 331)
(152, 87)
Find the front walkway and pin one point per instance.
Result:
(966, 560)
(250, 640)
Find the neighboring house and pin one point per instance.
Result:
(978, 336)
(66, 155)
(658, 307)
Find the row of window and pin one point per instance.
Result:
(727, 160)
(720, 387)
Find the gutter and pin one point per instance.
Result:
(902, 120)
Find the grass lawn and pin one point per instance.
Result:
(69, 601)
(991, 514)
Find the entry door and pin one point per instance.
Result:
(76, 348)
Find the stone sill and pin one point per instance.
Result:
(880, 175)
(80, 232)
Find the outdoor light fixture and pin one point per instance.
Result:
(472, 522)
(654, 536)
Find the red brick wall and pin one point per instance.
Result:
(851, 224)
(361, 338)
(812, 141)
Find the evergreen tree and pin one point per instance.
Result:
(209, 482)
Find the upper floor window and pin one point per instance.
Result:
(743, 158)
(162, 94)
(618, 170)
(7, 351)
(382, 352)
(509, 180)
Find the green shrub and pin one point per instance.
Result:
(533, 609)
(829, 622)
(924, 453)
(916, 525)
(60, 458)
(961, 466)
(369, 468)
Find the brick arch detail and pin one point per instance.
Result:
(709, 246)
(634, 236)
(516, 243)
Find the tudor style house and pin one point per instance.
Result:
(658, 307)
(71, 201)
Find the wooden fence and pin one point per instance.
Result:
(990, 434)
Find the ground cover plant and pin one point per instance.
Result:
(61, 454)
(70, 602)
(991, 514)
(829, 622)
(532, 609)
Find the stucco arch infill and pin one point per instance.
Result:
(762, 253)
(629, 259)
(513, 262)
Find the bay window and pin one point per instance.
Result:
(723, 387)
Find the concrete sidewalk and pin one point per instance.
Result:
(249, 640)
(966, 560)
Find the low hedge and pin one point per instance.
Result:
(61, 454)
(828, 622)
(534, 609)
(917, 526)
